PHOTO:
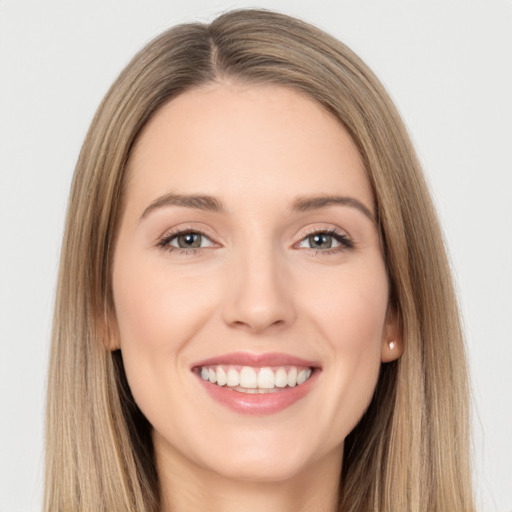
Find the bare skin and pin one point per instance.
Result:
(249, 229)
(193, 488)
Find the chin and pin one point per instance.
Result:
(263, 469)
(261, 456)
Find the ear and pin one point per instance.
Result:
(392, 340)
(111, 338)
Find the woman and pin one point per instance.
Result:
(254, 306)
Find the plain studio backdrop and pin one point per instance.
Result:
(446, 63)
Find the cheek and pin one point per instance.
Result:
(157, 315)
(156, 308)
(351, 308)
(351, 318)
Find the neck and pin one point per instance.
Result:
(186, 486)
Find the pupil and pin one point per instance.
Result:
(321, 241)
(189, 240)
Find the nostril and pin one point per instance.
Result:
(258, 326)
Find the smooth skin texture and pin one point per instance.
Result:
(257, 283)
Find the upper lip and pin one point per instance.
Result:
(256, 360)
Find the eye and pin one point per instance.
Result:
(325, 240)
(185, 240)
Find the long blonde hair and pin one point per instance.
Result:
(410, 450)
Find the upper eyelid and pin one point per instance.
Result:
(181, 230)
(330, 230)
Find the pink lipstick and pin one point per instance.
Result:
(258, 384)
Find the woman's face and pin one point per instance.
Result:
(248, 260)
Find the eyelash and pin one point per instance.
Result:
(165, 241)
(345, 242)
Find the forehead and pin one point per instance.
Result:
(245, 140)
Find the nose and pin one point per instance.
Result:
(260, 295)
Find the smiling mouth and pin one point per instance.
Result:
(257, 384)
(252, 380)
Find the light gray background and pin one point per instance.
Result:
(446, 63)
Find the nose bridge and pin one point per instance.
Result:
(260, 295)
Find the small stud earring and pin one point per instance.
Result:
(392, 345)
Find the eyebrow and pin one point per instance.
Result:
(308, 203)
(199, 202)
(210, 203)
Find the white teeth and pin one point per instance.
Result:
(281, 378)
(248, 378)
(253, 380)
(266, 378)
(222, 378)
(233, 378)
(301, 377)
(292, 377)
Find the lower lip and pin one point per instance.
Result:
(258, 404)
